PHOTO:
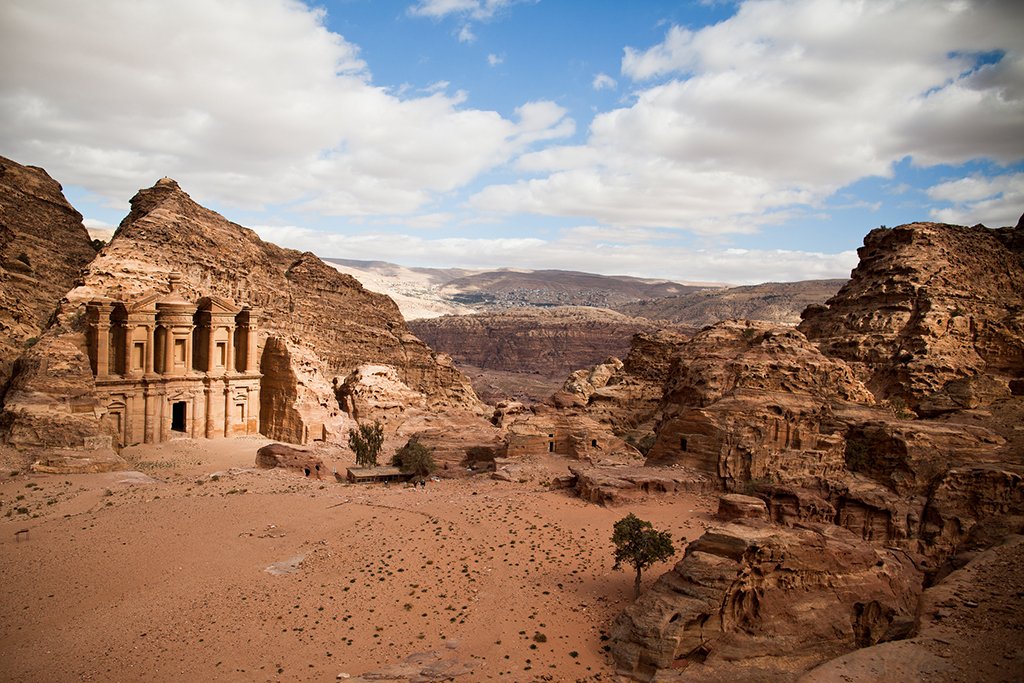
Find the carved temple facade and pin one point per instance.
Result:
(167, 368)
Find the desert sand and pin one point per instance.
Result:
(196, 566)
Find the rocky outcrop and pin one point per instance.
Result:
(550, 342)
(780, 597)
(627, 395)
(316, 325)
(752, 401)
(968, 629)
(279, 455)
(43, 246)
(930, 310)
(613, 486)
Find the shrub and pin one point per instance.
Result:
(414, 458)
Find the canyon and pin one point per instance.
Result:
(845, 483)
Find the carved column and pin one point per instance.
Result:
(250, 352)
(150, 341)
(129, 347)
(230, 367)
(102, 331)
(188, 351)
(227, 407)
(210, 425)
(210, 347)
(168, 350)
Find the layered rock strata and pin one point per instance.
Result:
(781, 597)
(43, 247)
(930, 310)
(550, 342)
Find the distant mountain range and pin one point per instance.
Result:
(433, 292)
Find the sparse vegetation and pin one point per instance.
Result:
(366, 442)
(415, 458)
(638, 544)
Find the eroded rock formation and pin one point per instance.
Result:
(930, 309)
(43, 246)
(836, 434)
(755, 592)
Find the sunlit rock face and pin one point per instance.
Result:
(933, 315)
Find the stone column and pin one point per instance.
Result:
(210, 346)
(210, 426)
(188, 351)
(147, 415)
(231, 350)
(150, 341)
(194, 431)
(129, 347)
(164, 421)
(168, 350)
(227, 407)
(250, 354)
(103, 339)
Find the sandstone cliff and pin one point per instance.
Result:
(43, 246)
(316, 325)
(931, 311)
(551, 342)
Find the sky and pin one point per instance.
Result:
(711, 141)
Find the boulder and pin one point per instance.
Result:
(733, 506)
(279, 455)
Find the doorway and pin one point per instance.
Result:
(178, 413)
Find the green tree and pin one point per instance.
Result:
(638, 544)
(415, 458)
(366, 443)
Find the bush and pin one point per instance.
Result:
(414, 458)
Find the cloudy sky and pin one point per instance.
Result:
(700, 141)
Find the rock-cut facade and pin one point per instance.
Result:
(165, 366)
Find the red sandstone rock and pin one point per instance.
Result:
(279, 455)
(733, 506)
(43, 247)
(779, 596)
(929, 305)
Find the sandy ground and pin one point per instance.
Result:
(198, 567)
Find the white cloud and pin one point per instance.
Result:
(588, 249)
(495, 60)
(466, 34)
(603, 81)
(783, 104)
(248, 104)
(996, 201)
(476, 9)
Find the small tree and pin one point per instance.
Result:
(367, 442)
(415, 458)
(638, 544)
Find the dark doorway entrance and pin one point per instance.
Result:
(178, 416)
